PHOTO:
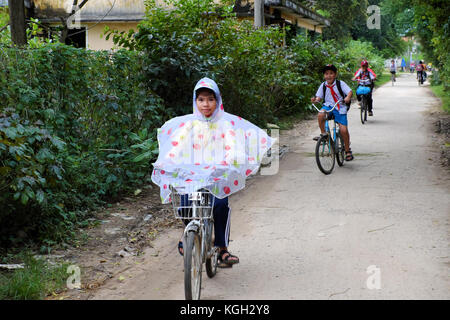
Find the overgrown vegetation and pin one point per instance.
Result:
(430, 22)
(78, 127)
(72, 123)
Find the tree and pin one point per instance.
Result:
(17, 22)
(342, 15)
(430, 22)
(387, 38)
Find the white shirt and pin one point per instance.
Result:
(329, 101)
(393, 67)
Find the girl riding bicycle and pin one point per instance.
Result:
(209, 149)
(365, 73)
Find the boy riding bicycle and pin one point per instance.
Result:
(332, 91)
(365, 73)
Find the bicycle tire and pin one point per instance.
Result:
(365, 111)
(325, 154)
(192, 266)
(363, 108)
(340, 150)
(211, 261)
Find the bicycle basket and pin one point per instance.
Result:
(361, 90)
(192, 205)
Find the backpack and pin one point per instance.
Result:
(341, 92)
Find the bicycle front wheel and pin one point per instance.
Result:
(325, 156)
(212, 252)
(363, 110)
(340, 150)
(192, 266)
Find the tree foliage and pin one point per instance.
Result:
(430, 22)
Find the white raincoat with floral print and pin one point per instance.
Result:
(216, 153)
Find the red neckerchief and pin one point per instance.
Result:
(335, 97)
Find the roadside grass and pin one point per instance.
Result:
(440, 92)
(384, 78)
(35, 281)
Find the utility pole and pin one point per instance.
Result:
(17, 22)
(259, 13)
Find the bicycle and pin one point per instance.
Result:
(198, 238)
(364, 89)
(392, 78)
(420, 78)
(330, 146)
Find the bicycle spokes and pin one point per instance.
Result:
(325, 156)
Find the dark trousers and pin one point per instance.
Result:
(221, 214)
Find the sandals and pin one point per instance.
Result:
(227, 262)
(348, 155)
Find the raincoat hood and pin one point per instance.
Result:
(216, 153)
(219, 111)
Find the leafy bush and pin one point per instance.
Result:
(67, 144)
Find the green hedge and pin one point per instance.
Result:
(78, 127)
(72, 124)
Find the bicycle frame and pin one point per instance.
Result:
(201, 206)
(333, 133)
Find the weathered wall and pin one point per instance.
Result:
(122, 9)
(95, 42)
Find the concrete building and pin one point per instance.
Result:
(88, 24)
(284, 12)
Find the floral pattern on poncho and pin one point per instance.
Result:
(216, 153)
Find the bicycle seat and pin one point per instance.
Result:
(329, 116)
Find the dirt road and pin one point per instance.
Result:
(377, 228)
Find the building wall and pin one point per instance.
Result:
(93, 9)
(93, 35)
(295, 20)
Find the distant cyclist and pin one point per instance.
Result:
(393, 69)
(365, 73)
(420, 68)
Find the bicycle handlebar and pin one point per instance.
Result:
(337, 102)
(365, 80)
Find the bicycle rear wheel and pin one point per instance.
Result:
(192, 266)
(340, 150)
(325, 156)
